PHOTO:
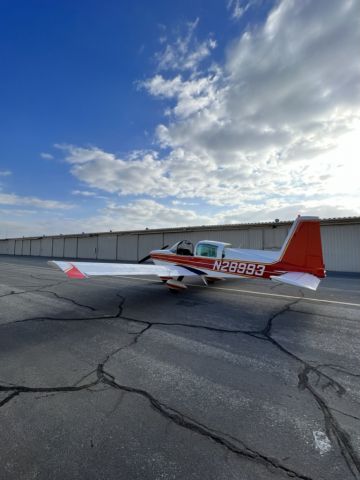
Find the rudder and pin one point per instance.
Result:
(302, 250)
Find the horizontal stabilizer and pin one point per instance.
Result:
(298, 279)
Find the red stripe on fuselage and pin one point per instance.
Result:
(271, 268)
(207, 263)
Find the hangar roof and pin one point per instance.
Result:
(232, 226)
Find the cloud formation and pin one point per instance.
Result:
(185, 52)
(12, 199)
(84, 193)
(46, 156)
(271, 132)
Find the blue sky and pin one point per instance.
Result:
(125, 115)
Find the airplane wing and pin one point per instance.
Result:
(89, 269)
(299, 279)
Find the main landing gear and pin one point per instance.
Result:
(174, 285)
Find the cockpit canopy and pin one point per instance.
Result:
(204, 248)
(211, 249)
(184, 247)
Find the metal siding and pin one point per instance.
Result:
(26, 247)
(172, 238)
(18, 247)
(46, 247)
(341, 247)
(87, 247)
(256, 238)
(127, 247)
(4, 247)
(11, 247)
(58, 247)
(194, 236)
(35, 248)
(107, 247)
(274, 237)
(237, 238)
(70, 247)
(148, 242)
(216, 235)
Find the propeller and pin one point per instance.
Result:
(149, 256)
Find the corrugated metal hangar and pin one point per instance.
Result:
(340, 237)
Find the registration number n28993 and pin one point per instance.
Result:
(227, 266)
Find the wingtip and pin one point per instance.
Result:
(53, 264)
(74, 272)
(68, 268)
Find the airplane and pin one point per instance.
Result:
(299, 262)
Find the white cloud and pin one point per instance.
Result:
(138, 214)
(12, 199)
(272, 132)
(286, 94)
(133, 176)
(5, 173)
(84, 193)
(18, 212)
(192, 96)
(186, 52)
(145, 213)
(46, 156)
(237, 10)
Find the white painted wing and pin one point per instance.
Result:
(89, 269)
(299, 279)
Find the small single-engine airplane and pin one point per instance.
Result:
(299, 262)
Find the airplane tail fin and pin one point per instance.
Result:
(302, 250)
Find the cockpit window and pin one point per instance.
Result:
(184, 247)
(206, 250)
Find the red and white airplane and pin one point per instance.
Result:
(299, 262)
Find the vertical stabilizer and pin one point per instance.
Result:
(302, 250)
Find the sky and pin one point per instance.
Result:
(130, 115)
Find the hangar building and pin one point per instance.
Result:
(340, 238)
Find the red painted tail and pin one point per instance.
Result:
(302, 250)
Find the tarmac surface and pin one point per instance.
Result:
(117, 378)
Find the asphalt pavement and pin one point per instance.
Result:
(118, 378)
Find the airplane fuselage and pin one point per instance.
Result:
(230, 267)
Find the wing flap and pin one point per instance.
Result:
(298, 279)
(90, 269)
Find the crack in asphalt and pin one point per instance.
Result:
(336, 433)
(332, 426)
(333, 429)
(184, 421)
(232, 444)
(344, 413)
(18, 389)
(67, 299)
(42, 289)
(9, 398)
(338, 368)
(74, 319)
